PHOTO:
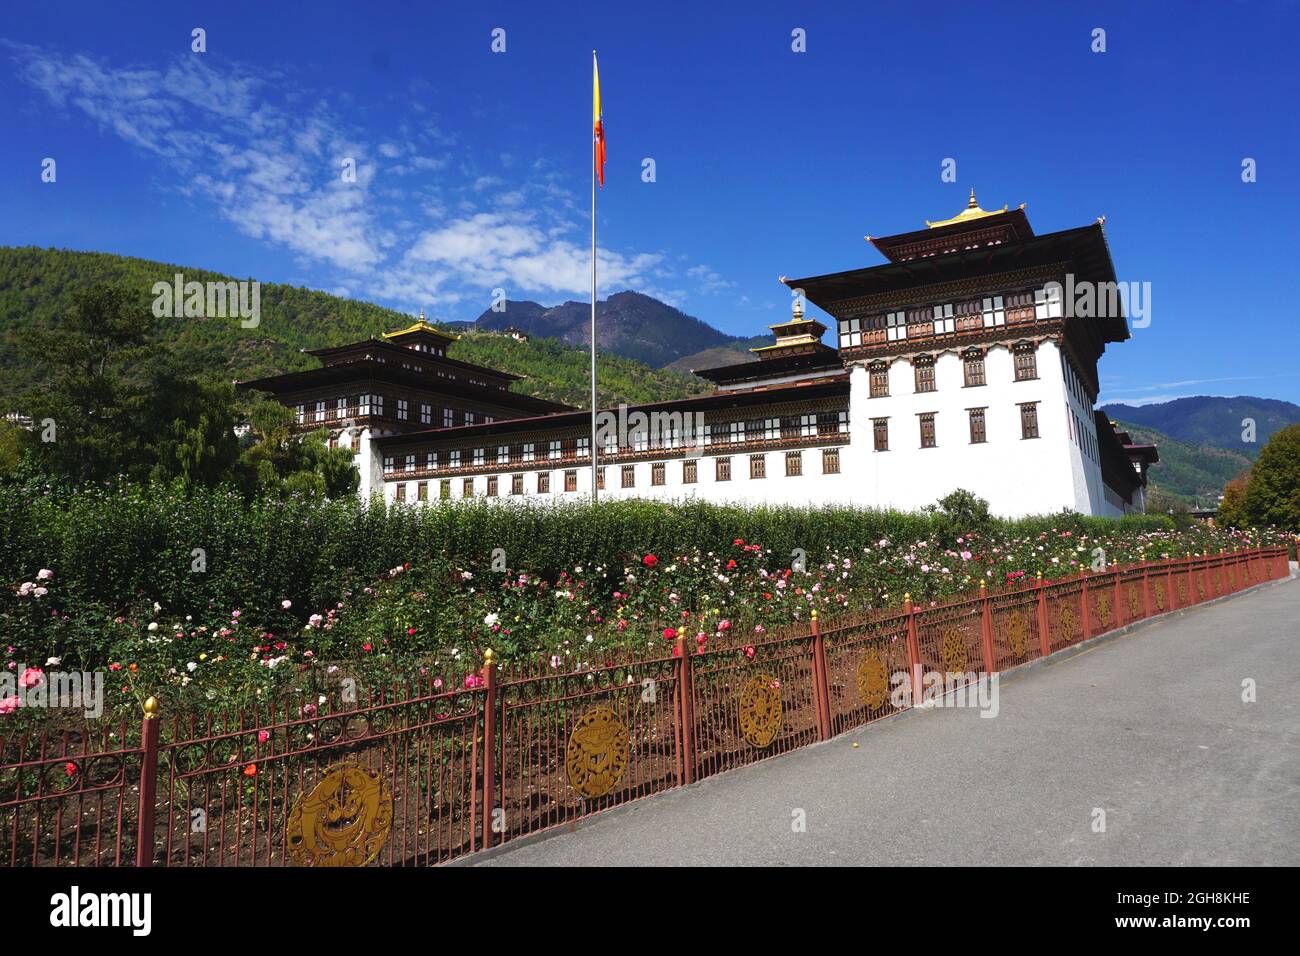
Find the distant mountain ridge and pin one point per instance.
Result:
(631, 324)
(1212, 420)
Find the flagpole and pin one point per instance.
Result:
(593, 298)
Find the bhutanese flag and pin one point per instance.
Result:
(598, 133)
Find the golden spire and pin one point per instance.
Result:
(972, 211)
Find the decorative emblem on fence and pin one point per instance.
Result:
(1016, 631)
(1160, 597)
(1218, 583)
(1200, 587)
(953, 651)
(1182, 593)
(1103, 609)
(873, 679)
(1134, 602)
(761, 712)
(597, 753)
(1232, 577)
(343, 821)
(1065, 620)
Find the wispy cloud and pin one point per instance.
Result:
(414, 226)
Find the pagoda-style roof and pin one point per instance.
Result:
(421, 331)
(973, 227)
(830, 386)
(821, 359)
(795, 336)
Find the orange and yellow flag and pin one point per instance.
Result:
(598, 142)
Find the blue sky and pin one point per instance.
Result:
(473, 165)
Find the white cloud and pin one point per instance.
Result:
(411, 230)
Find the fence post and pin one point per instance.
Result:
(1146, 588)
(986, 630)
(913, 650)
(1084, 610)
(144, 833)
(685, 712)
(489, 674)
(821, 681)
(1044, 641)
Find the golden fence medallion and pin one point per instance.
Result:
(1016, 632)
(760, 710)
(343, 821)
(1182, 593)
(1160, 598)
(1134, 602)
(1103, 609)
(1200, 587)
(1065, 620)
(596, 756)
(873, 679)
(953, 651)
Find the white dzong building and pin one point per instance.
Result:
(960, 365)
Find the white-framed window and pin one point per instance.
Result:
(448, 417)
(389, 464)
(469, 418)
(850, 333)
(610, 443)
(341, 407)
(1047, 302)
(842, 422)
(503, 454)
(480, 456)
(772, 429)
(410, 462)
(363, 404)
(320, 411)
(943, 319)
(553, 451)
(896, 326)
(530, 451)
(584, 447)
(489, 419)
(640, 440)
(300, 411)
(808, 426)
(378, 402)
(426, 414)
(454, 458)
(993, 312)
(403, 409)
(706, 434)
(431, 459)
(736, 431)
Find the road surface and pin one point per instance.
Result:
(1149, 726)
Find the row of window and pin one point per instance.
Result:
(978, 427)
(973, 374)
(1083, 436)
(813, 425)
(437, 370)
(989, 312)
(357, 406)
(627, 476)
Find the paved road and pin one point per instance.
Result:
(1149, 726)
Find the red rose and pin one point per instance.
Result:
(738, 542)
(670, 634)
(649, 560)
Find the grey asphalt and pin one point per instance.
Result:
(1149, 726)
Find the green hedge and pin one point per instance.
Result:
(122, 545)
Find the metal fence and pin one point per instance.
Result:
(413, 777)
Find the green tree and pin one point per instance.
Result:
(83, 406)
(1232, 510)
(1273, 495)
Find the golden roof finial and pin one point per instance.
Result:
(797, 311)
(972, 211)
(421, 313)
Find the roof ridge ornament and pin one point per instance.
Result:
(972, 211)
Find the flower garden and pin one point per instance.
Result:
(427, 619)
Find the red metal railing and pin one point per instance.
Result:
(530, 747)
